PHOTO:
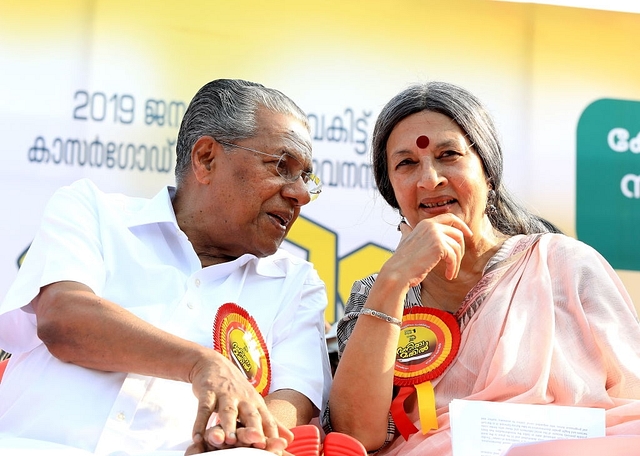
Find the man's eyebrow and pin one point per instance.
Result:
(297, 147)
(299, 142)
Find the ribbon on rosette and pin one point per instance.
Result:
(428, 343)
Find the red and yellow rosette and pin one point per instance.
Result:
(237, 336)
(428, 343)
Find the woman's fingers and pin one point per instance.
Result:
(452, 254)
(431, 241)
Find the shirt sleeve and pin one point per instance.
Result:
(300, 360)
(66, 247)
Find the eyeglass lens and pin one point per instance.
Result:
(291, 170)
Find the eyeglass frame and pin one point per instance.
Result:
(306, 175)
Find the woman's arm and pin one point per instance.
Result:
(363, 383)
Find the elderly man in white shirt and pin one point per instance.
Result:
(110, 319)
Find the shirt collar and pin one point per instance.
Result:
(156, 210)
(272, 266)
(160, 210)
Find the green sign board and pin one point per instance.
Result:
(608, 181)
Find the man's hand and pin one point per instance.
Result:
(214, 440)
(240, 415)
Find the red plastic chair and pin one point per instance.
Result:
(306, 442)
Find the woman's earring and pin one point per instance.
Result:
(491, 200)
(402, 220)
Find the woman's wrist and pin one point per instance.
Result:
(381, 316)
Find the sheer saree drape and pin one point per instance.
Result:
(549, 323)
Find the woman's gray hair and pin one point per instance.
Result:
(226, 110)
(473, 118)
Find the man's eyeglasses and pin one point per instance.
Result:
(289, 168)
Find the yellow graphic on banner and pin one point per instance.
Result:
(337, 273)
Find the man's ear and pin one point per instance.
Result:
(203, 156)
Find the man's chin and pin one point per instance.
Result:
(268, 250)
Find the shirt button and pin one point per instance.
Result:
(190, 305)
(121, 416)
(197, 282)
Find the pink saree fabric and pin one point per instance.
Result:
(549, 323)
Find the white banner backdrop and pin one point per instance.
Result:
(96, 89)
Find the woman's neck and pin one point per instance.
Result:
(438, 292)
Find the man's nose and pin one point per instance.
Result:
(297, 191)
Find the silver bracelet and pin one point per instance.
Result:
(381, 316)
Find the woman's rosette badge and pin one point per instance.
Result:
(428, 343)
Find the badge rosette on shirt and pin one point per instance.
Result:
(237, 336)
(428, 343)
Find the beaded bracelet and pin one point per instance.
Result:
(381, 316)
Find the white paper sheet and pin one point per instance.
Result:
(480, 428)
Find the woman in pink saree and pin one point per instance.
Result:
(530, 315)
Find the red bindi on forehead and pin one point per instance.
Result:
(422, 142)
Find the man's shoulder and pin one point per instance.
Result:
(87, 189)
(80, 187)
(87, 192)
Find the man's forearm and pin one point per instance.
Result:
(81, 328)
